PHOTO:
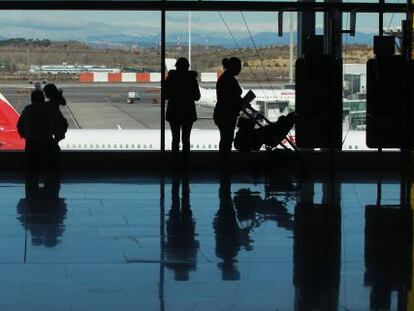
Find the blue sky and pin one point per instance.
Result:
(79, 25)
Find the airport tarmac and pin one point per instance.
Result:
(104, 106)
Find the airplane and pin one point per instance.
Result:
(133, 139)
(9, 138)
(128, 139)
(208, 96)
(102, 139)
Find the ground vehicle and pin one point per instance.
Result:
(132, 97)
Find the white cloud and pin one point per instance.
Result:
(76, 25)
(58, 25)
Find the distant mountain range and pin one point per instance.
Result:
(260, 39)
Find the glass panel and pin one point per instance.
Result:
(356, 52)
(106, 63)
(253, 38)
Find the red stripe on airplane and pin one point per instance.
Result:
(9, 137)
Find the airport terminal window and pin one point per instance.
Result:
(249, 36)
(106, 63)
(357, 51)
(269, 61)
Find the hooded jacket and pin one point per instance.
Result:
(181, 89)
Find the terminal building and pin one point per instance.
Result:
(312, 209)
(70, 69)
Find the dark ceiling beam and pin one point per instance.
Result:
(157, 5)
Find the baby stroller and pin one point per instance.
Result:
(255, 130)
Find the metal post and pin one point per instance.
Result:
(162, 177)
(333, 47)
(407, 27)
(306, 27)
(381, 19)
(381, 32)
(189, 38)
(163, 80)
(290, 47)
(409, 19)
(409, 103)
(333, 32)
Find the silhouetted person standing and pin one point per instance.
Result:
(181, 89)
(229, 236)
(181, 247)
(42, 212)
(37, 125)
(229, 104)
(55, 99)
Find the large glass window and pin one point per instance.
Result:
(205, 38)
(357, 50)
(106, 63)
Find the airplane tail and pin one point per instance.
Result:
(9, 137)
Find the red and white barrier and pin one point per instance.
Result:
(128, 77)
(100, 77)
(86, 77)
(132, 77)
(114, 77)
(143, 77)
(121, 77)
(155, 77)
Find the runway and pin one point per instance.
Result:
(104, 106)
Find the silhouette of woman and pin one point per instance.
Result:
(229, 104)
(230, 238)
(181, 246)
(181, 89)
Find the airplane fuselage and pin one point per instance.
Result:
(122, 139)
(209, 98)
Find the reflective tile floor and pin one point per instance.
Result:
(197, 242)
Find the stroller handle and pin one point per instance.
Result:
(250, 111)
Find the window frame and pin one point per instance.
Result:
(164, 6)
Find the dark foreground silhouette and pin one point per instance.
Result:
(181, 247)
(42, 211)
(181, 89)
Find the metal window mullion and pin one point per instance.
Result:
(162, 81)
(252, 6)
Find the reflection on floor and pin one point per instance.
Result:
(194, 242)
